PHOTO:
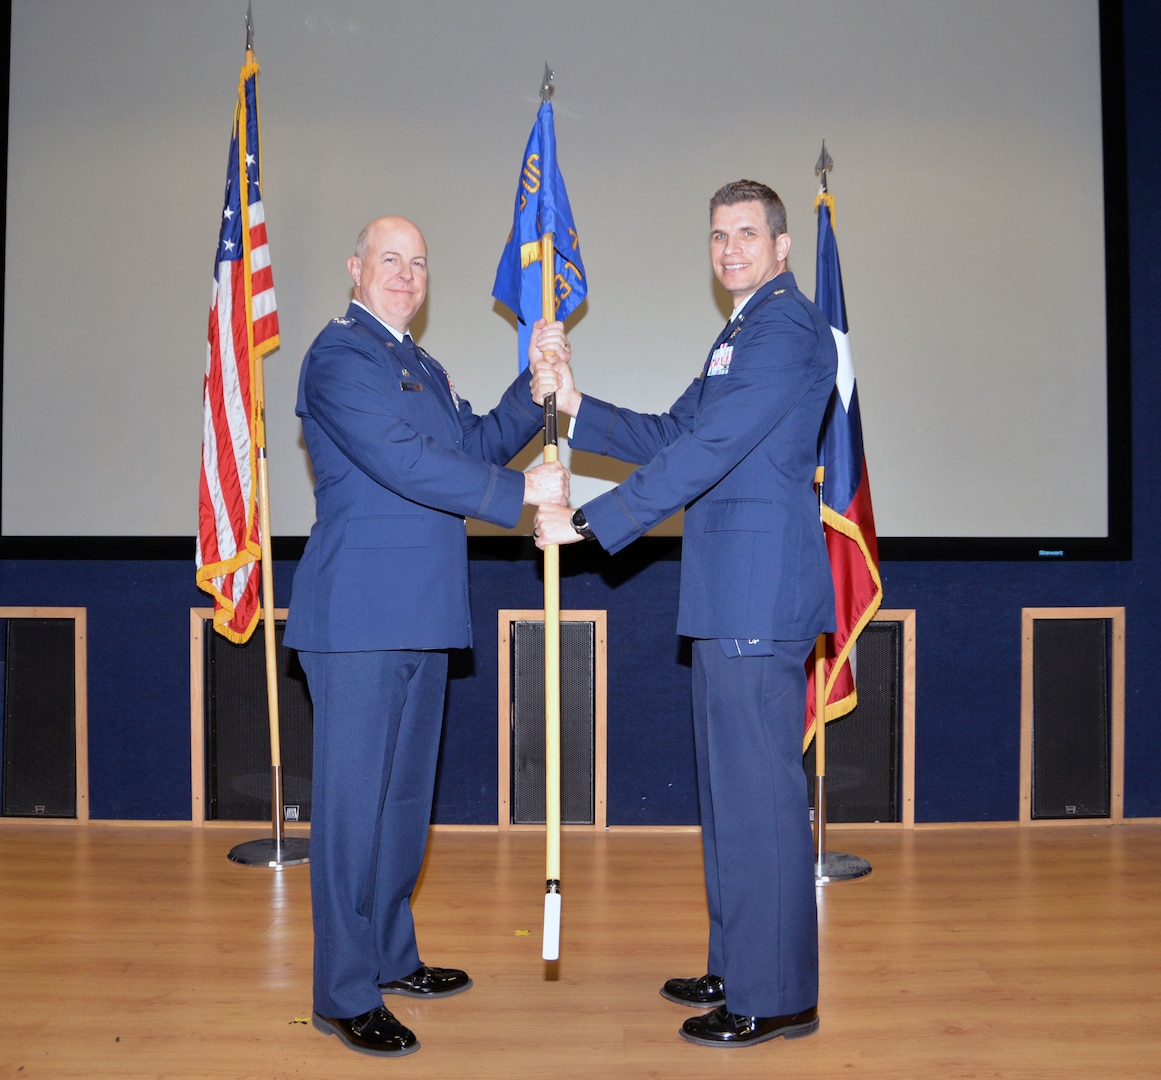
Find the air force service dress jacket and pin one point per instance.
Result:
(399, 462)
(738, 450)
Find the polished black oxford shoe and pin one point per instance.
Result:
(702, 993)
(724, 1028)
(376, 1032)
(429, 982)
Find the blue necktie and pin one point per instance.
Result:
(438, 384)
(412, 350)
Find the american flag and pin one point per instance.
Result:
(243, 328)
(848, 520)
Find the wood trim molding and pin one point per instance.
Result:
(906, 616)
(79, 616)
(505, 618)
(1115, 615)
(198, 619)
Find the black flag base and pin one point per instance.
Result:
(277, 850)
(291, 851)
(835, 866)
(831, 865)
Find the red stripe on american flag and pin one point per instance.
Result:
(265, 329)
(207, 534)
(263, 281)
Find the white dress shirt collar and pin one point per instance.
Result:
(398, 334)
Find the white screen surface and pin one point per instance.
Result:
(968, 181)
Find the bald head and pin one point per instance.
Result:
(389, 269)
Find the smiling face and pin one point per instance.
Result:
(744, 253)
(389, 269)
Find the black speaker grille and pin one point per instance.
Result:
(863, 748)
(237, 728)
(577, 723)
(40, 719)
(1071, 732)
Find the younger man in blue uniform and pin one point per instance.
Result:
(738, 451)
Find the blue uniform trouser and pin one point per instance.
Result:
(377, 722)
(759, 853)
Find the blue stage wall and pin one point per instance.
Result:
(967, 623)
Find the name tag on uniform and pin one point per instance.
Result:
(410, 386)
(720, 360)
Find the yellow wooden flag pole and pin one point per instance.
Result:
(551, 948)
(828, 865)
(279, 850)
(820, 756)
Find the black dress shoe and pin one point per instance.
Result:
(429, 982)
(723, 1028)
(376, 1032)
(703, 992)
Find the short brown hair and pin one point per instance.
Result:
(738, 191)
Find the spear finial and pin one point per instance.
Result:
(824, 165)
(249, 28)
(546, 83)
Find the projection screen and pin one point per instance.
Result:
(969, 180)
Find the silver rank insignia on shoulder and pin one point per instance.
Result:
(777, 292)
(342, 320)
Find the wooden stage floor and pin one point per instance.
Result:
(132, 951)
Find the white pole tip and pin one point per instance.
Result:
(551, 949)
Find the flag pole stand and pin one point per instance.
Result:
(278, 850)
(828, 865)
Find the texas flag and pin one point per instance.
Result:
(848, 523)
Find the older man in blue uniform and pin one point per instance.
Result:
(738, 451)
(379, 597)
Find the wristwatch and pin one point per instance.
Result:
(581, 525)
